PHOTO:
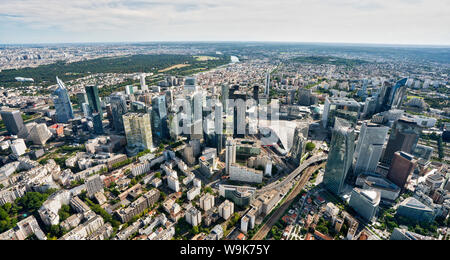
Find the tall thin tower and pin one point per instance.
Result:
(267, 90)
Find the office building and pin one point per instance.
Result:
(18, 147)
(144, 87)
(299, 145)
(415, 210)
(118, 109)
(63, 106)
(13, 121)
(340, 156)
(256, 93)
(365, 203)
(224, 97)
(404, 234)
(305, 97)
(97, 121)
(239, 195)
(371, 181)
(129, 90)
(94, 100)
(404, 137)
(81, 98)
(245, 174)
(39, 134)
(401, 169)
(345, 108)
(369, 147)
(138, 130)
(190, 85)
(159, 118)
(267, 89)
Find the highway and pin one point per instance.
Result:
(292, 175)
(264, 230)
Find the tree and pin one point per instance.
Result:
(64, 212)
(195, 230)
(7, 207)
(310, 147)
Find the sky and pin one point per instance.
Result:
(337, 21)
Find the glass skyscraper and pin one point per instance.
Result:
(94, 100)
(118, 109)
(370, 147)
(138, 130)
(159, 117)
(340, 157)
(63, 106)
(404, 137)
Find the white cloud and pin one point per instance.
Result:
(391, 21)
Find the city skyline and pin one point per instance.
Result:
(324, 21)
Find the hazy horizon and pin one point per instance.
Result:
(409, 45)
(381, 22)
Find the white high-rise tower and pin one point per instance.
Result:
(143, 86)
(230, 154)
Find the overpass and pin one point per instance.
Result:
(292, 175)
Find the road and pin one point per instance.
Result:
(264, 230)
(311, 161)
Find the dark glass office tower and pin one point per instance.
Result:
(340, 157)
(94, 100)
(256, 93)
(98, 124)
(159, 117)
(404, 137)
(118, 109)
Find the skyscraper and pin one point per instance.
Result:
(218, 126)
(138, 130)
(340, 157)
(12, 120)
(98, 123)
(239, 114)
(256, 93)
(369, 147)
(143, 86)
(81, 98)
(267, 89)
(225, 96)
(404, 137)
(197, 115)
(230, 154)
(159, 117)
(94, 100)
(61, 100)
(298, 147)
(118, 109)
(391, 96)
(398, 93)
(402, 167)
